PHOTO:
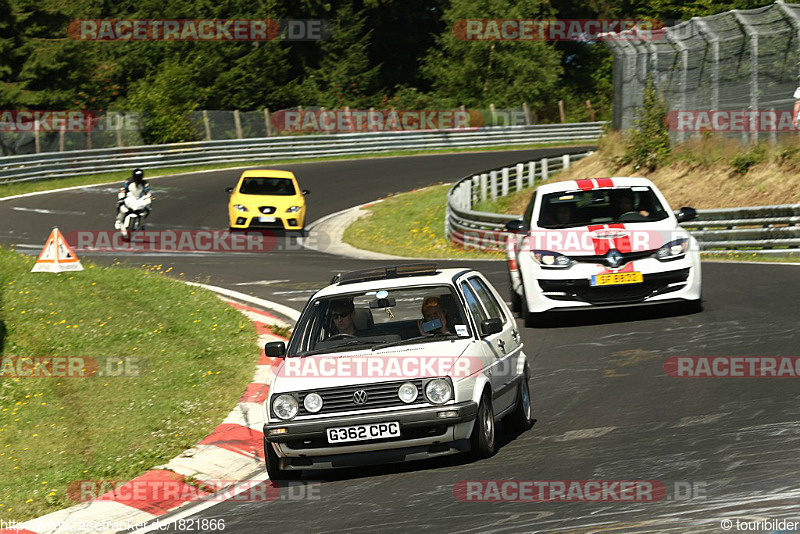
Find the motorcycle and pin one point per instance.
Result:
(135, 215)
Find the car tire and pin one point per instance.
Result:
(692, 306)
(516, 301)
(521, 419)
(531, 319)
(483, 438)
(273, 465)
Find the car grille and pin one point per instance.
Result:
(627, 257)
(382, 395)
(267, 210)
(653, 284)
(254, 223)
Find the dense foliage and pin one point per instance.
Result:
(382, 53)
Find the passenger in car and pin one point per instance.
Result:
(431, 311)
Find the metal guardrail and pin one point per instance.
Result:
(81, 162)
(773, 228)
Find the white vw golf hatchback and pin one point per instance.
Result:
(393, 364)
(603, 242)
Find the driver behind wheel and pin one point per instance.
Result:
(624, 203)
(342, 312)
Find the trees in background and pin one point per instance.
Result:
(382, 53)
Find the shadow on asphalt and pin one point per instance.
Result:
(503, 438)
(618, 315)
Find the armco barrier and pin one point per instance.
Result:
(80, 162)
(763, 228)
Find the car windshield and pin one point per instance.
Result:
(377, 318)
(268, 186)
(567, 209)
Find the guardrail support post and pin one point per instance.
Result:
(544, 169)
(267, 122)
(531, 173)
(207, 125)
(526, 110)
(493, 185)
(504, 183)
(484, 178)
(61, 134)
(119, 123)
(565, 162)
(237, 121)
(474, 189)
(520, 175)
(36, 140)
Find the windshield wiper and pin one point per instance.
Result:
(339, 348)
(427, 337)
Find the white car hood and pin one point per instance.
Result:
(336, 369)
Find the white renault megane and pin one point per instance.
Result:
(603, 242)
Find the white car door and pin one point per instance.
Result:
(502, 348)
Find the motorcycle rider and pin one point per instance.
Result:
(136, 187)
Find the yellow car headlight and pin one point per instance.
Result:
(239, 207)
(293, 209)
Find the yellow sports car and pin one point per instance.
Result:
(266, 198)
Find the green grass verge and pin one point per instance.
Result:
(409, 224)
(21, 188)
(195, 356)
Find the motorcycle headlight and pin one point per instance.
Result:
(673, 250)
(239, 207)
(551, 260)
(438, 391)
(285, 406)
(294, 209)
(312, 403)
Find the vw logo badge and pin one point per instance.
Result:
(614, 258)
(360, 397)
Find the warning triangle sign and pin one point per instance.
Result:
(57, 256)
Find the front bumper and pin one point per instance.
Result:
(284, 221)
(548, 290)
(422, 434)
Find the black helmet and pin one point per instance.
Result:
(137, 176)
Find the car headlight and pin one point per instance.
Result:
(551, 260)
(285, 406)
(673, 250)
(408, 393)
(312, 403)
(239, 207)
(438, 391)
(293, 209)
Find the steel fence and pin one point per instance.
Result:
(82, 162)
(773, 228)
(745, 60)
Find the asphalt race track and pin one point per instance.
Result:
(724, 448)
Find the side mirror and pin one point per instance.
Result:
(491, 326)
(516, 226)
(229, 190)
(275, 349)
(306, 192)
(686, 214)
